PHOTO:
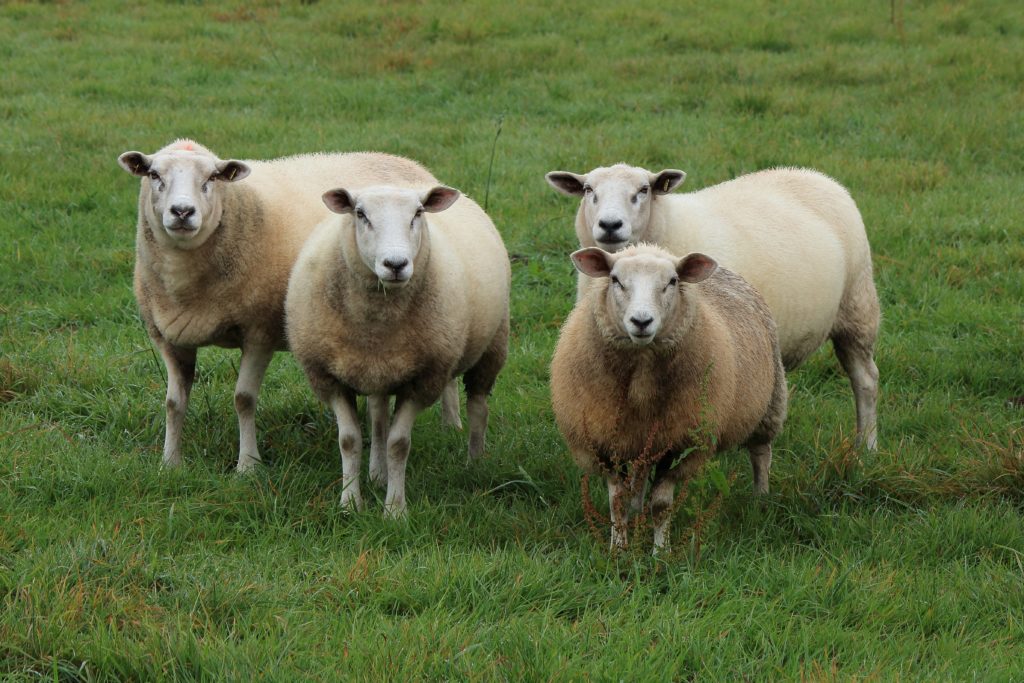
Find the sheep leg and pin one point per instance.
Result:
(476, 410)
(479, 381)
(858, 362)
(662, 496)
(450, 406)
(379, 418)
(181, 371)
(399, 441)
(761, 462)
(619, 512)
(247, 390)
(350, 444)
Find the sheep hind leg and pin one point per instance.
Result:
(350, 444)
(853, 338)
(479, 381)
(247, 390)
(181, 372)
(399, 442)
(450, 406)
(761, 463)
(378, 407)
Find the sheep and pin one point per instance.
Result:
(795, 234)
(213, 255)
(663, 355)
(398, 294)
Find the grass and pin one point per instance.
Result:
(901, 564)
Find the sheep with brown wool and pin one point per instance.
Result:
(664, 357)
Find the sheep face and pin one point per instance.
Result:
(616, 201)
(645, 290)
(181, 190)
(389, 225)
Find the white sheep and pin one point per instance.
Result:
(795, 234)
(213, 257)
(664, 355)
(397, 295)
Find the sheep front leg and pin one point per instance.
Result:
(399, 441)
(450, 405)
(181, 371)
(379, 419)
(350, 444)
(619, 512)
(662, 497)
(247, 390)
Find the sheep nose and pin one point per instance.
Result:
(396, 265)
(609, 226)
(641, 323)
(183, 211)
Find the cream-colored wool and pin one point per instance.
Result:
(795, 234)
(713, 365)
(361, 327)
(215, 244)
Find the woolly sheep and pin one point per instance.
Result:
(795, 234)
(213, 256)
(397, 295)
(662, 355)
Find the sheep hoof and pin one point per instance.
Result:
(247, 463)
(351, 502)
(452, 420)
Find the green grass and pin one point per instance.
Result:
(902, 564)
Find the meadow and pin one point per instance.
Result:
(902, 564)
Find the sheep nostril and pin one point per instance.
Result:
(609, 226)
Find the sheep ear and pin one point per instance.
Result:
(439, 198)
(667, 180)
(232, 170)
(135, 163)
(593, 261)
(339, 201)
(567, 183)
(695, 267)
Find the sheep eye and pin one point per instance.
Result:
(154, 176)
(360, 214)
(615, 281)
(673, 282)
(587, 189)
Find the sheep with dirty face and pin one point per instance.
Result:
(398, 294)
(795, 234)
(661, 356)
(216, 240)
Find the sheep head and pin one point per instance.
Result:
(181, 190)
(645, 286)
(615, 201)
(389, 225)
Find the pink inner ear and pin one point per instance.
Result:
(186, 146)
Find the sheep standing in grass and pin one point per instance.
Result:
(794, 234)
(662, 355)
(213, 255)
(384, 301)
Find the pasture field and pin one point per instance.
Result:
(904, 564)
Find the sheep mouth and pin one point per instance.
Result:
(613, 244)
(641, 339)
(181, 229)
